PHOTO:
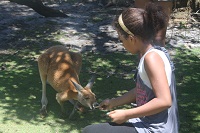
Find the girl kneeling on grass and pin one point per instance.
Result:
(155, 91)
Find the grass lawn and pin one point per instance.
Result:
(20, 88)
(20, 95)
(188, 87)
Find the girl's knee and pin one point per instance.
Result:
(94, 128)
(87, 129)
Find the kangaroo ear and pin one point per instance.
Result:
(91, 82)
(77, 86)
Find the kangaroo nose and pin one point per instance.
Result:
(96, 105)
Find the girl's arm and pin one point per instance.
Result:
(155, 69)
(124, 99)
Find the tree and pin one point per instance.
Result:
(108, 3)
(193, 4)
(40, 8)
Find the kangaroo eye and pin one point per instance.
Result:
(87, 98)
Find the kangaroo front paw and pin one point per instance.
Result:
(43, 112)
(81, 109)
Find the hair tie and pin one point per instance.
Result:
(121, 23)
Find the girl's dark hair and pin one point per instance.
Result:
(143, 23)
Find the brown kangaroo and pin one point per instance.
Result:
(61, 68)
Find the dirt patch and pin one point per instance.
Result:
(88, 24)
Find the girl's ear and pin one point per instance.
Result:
(132, 38)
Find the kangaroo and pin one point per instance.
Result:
(61, 68)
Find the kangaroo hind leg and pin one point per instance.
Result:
(42, 64)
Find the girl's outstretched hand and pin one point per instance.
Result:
(106, 105)
(118, 116)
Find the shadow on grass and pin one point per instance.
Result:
(20, 84)
(188, 82)
(20, 88)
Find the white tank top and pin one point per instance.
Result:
(142, 71)
(167, 120)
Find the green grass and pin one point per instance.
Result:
(20, 88)
(188, 88)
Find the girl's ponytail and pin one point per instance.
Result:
(155, 17)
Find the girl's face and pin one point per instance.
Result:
(128, 43)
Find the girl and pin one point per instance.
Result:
(155, 92)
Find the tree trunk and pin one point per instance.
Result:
(194, 4)
(40, 8)
(108, 3)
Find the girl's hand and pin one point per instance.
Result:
(118, 116)
(106, 105)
